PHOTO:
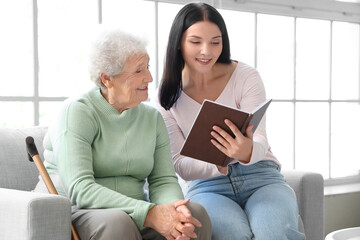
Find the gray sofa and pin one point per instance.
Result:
(28, 215)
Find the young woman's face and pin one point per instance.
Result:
(201, 46)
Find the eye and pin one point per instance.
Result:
(195, 42)
(215, 43)
(139, 71)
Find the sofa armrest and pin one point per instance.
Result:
(30, 215)
(309, 189)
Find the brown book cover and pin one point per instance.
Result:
(198, 145)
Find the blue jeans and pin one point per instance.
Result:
(251, 202)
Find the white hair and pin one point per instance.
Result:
(110, 51)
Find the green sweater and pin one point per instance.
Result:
(100, 158)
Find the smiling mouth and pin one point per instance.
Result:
(143, 88)
(204, 61)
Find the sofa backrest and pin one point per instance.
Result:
(16, 171)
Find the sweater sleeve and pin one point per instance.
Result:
(249, 93)
(187, 168)
(72, 147)
(163, 183)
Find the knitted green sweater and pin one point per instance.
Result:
(100, 158)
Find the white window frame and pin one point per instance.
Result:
(322, 9)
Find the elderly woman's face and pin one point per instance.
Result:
(130, 87)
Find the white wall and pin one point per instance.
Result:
(342, 211)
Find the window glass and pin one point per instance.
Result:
(326, 57)
(64, 36)
(312, 137)
(166, 15)
(138, 18)
(312, 59)
(17, 114)
(345, 61)
(280, 132)
(48, 112)
(241, 30)
(275, 54)
(16, 48)
(345, 131)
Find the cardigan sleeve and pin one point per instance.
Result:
(163, 183)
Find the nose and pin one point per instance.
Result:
(205, 48)
(148, 78)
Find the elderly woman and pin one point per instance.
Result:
(106, 144)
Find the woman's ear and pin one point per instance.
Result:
(105, 79)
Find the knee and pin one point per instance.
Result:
(199, 212)
(281, 232)
(238, 235)
(232, 231)
(115, 225)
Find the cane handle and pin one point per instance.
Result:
(33, 152)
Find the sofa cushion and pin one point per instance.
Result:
(16, 171)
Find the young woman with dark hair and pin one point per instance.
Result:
(248, 199)
(171, 81)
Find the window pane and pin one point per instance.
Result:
(275, 55)
(121, 14)
(16, 48)
(281, 133)
(345, 131)
(345, 61)
(48, 112)
(63, 45)
(241, 30)
(312, 137)
(18, 114)
(312, 59)
(166, 15)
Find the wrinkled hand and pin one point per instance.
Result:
(192, 223)
(173, 220)
(239, 148)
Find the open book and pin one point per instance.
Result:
(198, 145)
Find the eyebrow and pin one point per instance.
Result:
(194, 36)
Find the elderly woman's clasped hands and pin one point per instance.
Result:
(173, 220)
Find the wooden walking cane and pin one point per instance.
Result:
(34, 157)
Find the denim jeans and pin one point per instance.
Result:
(251, 202)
